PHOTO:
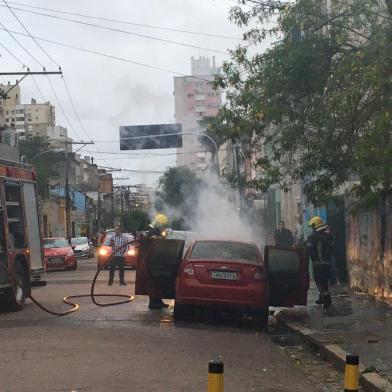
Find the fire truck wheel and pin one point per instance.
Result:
(15, 297)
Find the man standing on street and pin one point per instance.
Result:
(117, 243)
(319, 245)
(283, 237)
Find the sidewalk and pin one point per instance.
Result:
(355, 324)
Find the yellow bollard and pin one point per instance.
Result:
(215, 376)
(351, 374)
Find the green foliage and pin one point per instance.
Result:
(135, 220)
(316, 105)
(45, 164)
(177, 195)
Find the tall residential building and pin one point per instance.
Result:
(34, 119)
(7, 106)
(194, 99)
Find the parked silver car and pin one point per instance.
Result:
(82, 247)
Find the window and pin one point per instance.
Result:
(7, 112)
(280, 260)
(224, 250)
(15, 218)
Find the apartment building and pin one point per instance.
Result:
(34, 119)
(194, 99)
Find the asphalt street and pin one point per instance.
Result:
(130, 348)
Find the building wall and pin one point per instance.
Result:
(9, 153)
(369, 265)
(194, 98)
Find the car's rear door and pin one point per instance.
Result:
(158, 262)
(288, 275)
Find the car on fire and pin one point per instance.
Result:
(59, 254)
(82, 247)
(105, 251)
(223, 275)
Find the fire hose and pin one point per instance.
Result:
(66, 300)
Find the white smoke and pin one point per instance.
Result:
(218, 215)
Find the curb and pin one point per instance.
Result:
(371, 382)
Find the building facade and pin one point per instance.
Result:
(194, 99)
(34, 119)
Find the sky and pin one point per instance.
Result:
(108, 93)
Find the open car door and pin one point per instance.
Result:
(288, 275)
(158, 262)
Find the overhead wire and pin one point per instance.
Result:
(28, 32)
(126, 22)
(50, 83)
(24, 66)
(117, 30)
(122, 59)
(11, 34)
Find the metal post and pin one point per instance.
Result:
(215, 376)
(67, 196)
(351, 374)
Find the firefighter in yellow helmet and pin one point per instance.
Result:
(158, 225)
(156, 228)
(319, 245)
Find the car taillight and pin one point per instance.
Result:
(259, 275)
(188, 270)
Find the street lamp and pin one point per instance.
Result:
(54, 150)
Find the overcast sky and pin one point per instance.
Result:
(108, 93)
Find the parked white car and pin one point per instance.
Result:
(82, 247)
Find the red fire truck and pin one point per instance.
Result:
(21, 249)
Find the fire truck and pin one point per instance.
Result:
(21, 252)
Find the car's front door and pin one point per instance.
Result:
(157, 265)
(288, 275)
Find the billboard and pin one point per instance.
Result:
(150, 137)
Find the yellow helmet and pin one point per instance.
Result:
(316, 222)
(160, 220)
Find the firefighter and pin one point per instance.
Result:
(319, 245)
(156, 229)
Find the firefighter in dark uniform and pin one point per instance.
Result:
(157, 228)
(319, 246)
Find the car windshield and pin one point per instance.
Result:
(107, 240)
(79, 241)
(224, 250)
(55, 243)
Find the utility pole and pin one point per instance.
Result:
(67, 193)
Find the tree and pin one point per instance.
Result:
(177, 195)
(317, 105)
(44, 165)
(135, 220)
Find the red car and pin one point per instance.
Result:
(59, 254)
(228, 275)
(105, 251)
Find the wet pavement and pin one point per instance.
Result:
(128, 347)
(357, 323)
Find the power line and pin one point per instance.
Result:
(65, 83)
(117, 30)
(110, 56)
(129, 156)
(62, 108)
(19, 44)
(28, 32)
(126, 22)
(14, 56)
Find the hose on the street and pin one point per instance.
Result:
(66, 300)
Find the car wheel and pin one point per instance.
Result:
(15, 296)
(182, 312)
(260, 319)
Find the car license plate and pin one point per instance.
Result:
(55, 261)
(224, 275)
